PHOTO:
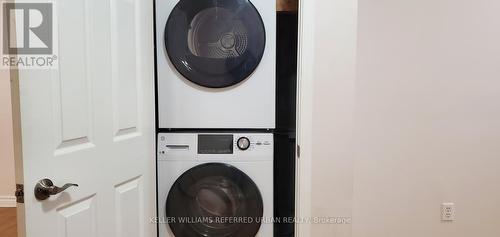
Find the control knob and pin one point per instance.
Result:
(243, 143)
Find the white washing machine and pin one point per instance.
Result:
(212, 185)
(216, 63)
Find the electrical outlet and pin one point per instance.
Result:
(448, 211)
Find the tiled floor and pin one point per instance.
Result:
(8, 225)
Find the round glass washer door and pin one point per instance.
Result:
(215, 43)
(214, 200)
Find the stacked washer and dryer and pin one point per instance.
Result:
(216, 88)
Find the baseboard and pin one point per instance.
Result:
(8, 201)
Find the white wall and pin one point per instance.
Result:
(7, 178)
(415, 124)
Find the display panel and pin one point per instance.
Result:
(215, 144)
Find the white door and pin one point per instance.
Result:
(91, 122)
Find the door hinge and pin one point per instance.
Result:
(298, 151)
(19, 193)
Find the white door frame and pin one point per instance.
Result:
(342, 15)
(305, 72)
(17, 141)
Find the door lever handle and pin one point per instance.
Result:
(46, 188)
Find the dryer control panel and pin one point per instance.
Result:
(254, 146)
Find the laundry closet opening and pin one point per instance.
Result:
(226, 89)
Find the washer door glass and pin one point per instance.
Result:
(215, 43)
(214, 200)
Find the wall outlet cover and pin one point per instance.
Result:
(448, 211)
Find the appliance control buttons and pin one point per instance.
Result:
(243, 143)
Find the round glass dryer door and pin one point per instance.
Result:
(215, 43)
(214, 200)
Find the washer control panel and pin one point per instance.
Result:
(202, 145)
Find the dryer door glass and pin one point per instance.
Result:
(215, 43)
(213, 200)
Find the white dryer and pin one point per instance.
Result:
(212, 185)
(216, 63)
